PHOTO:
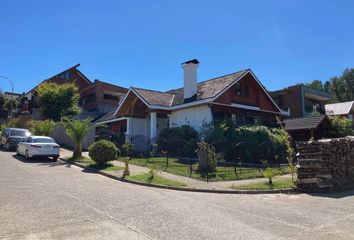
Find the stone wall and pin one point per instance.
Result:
(325, 165)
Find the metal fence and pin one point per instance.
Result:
(178, 156)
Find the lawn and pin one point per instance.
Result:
(224, 173)
(92, 164)
(277, 184)
(144, 177)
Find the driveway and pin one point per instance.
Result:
(46, 200)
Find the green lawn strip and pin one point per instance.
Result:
(144, 177)
(277, 184)
(90, 163)
(182, 169)
(106, 167)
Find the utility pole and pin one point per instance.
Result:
(12, 94)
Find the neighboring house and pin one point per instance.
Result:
(344, 109)
(301, 101)
(96, 98)
(306, 128)
(238, 96)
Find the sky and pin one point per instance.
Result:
(142, 43)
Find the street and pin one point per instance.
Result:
(40, 199)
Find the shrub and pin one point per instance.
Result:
(257, 141)
(341, 126)
(181, 141)
(45, 127)
(207, 157)
(103, 151)
(269, 173)
(128, 149)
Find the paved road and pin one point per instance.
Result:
(45, 200)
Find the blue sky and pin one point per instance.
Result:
(142, 43)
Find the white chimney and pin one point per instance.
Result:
(190, 78)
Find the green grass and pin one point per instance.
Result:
(144, 177)
(90, 163)
(182, 169)
(106, 167)
(277, 184)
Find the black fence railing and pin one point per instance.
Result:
(178, 156)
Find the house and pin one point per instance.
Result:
(344, 109)
(96, 98)
(306, 128)
(301, 101)
(237, 96)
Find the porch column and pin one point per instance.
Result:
(129, 132)
(153, 123)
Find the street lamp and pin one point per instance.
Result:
(12, 93)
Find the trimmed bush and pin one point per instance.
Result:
(103, 151)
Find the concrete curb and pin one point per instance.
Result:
(275, 191)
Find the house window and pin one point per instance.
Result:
(110, 97)
(65, 75)
(312, 106)
(87, 99)
(241, 89)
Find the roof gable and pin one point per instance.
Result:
(342, 108)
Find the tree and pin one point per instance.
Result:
(58, 101)
(317, 84)
(342, 88)
(77, 131)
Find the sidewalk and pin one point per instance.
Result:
(190, 182)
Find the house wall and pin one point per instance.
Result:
(194, 117)
(257, 97)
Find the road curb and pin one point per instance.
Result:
(275, 191)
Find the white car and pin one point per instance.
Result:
(38, 146)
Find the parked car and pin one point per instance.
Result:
(10, 137)
(38, 146)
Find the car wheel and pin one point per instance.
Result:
(26, 155)
(7, 146)
(55, 158)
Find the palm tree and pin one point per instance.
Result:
(77, 130)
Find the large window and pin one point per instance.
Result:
(312, 105)
(87, 99)
(110, 97)
(241, 89)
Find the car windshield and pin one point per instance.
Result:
(43, 140)
(20, 133)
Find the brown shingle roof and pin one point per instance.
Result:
(155, 97)
(304, 123)
(206, 89)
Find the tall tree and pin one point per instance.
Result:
(342, 88)
(316, 84)
(58, 101)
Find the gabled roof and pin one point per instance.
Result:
(208, 91)
(292, 124)
(342, 108)
(210, 88)
(155, 97)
